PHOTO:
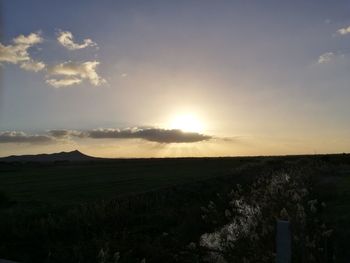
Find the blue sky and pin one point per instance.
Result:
(273, 75)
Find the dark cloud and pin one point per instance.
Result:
(21, 137)
(59, 133)
(149, 134)
(64, 134)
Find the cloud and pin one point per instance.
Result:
(62, 134)
(75, 72)
(18, 51)
(60, 75)
(66, 39)
(149, 134)
(59, 83)
(59, 133)
(21, 137)
(13, 53)
(30, 40)
(344, 31)
(33, 65)
(163, 136)
(326, 57)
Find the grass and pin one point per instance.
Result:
(335, 190)
(73, 183)
(68, 212)
(133, 223)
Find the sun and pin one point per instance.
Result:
(187, 123)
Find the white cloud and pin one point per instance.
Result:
(80, 71)
(344, 30)
(18, 52)
(30, 40)
(13, 53)
(58, 83)
(60, 75)
(326, 57)
(33, 65)
(66, 39)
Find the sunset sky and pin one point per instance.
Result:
(161, 78)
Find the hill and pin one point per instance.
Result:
(54, 157)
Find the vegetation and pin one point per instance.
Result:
(245, 230)
(148, 218)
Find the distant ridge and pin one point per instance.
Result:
(54, 157)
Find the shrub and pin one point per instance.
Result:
(244, 223)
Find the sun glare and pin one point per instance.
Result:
(187, 123)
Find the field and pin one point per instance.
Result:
(70, 183)
(152, 209)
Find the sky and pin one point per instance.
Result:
(163, 78)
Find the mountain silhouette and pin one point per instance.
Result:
(54, 157)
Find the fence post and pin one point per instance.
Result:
(283, 242)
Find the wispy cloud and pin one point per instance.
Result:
(33, 65)
(326, 57)
(344, 31)
(65, 82)
(334, 56)
(66, 39)
(74, 73)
